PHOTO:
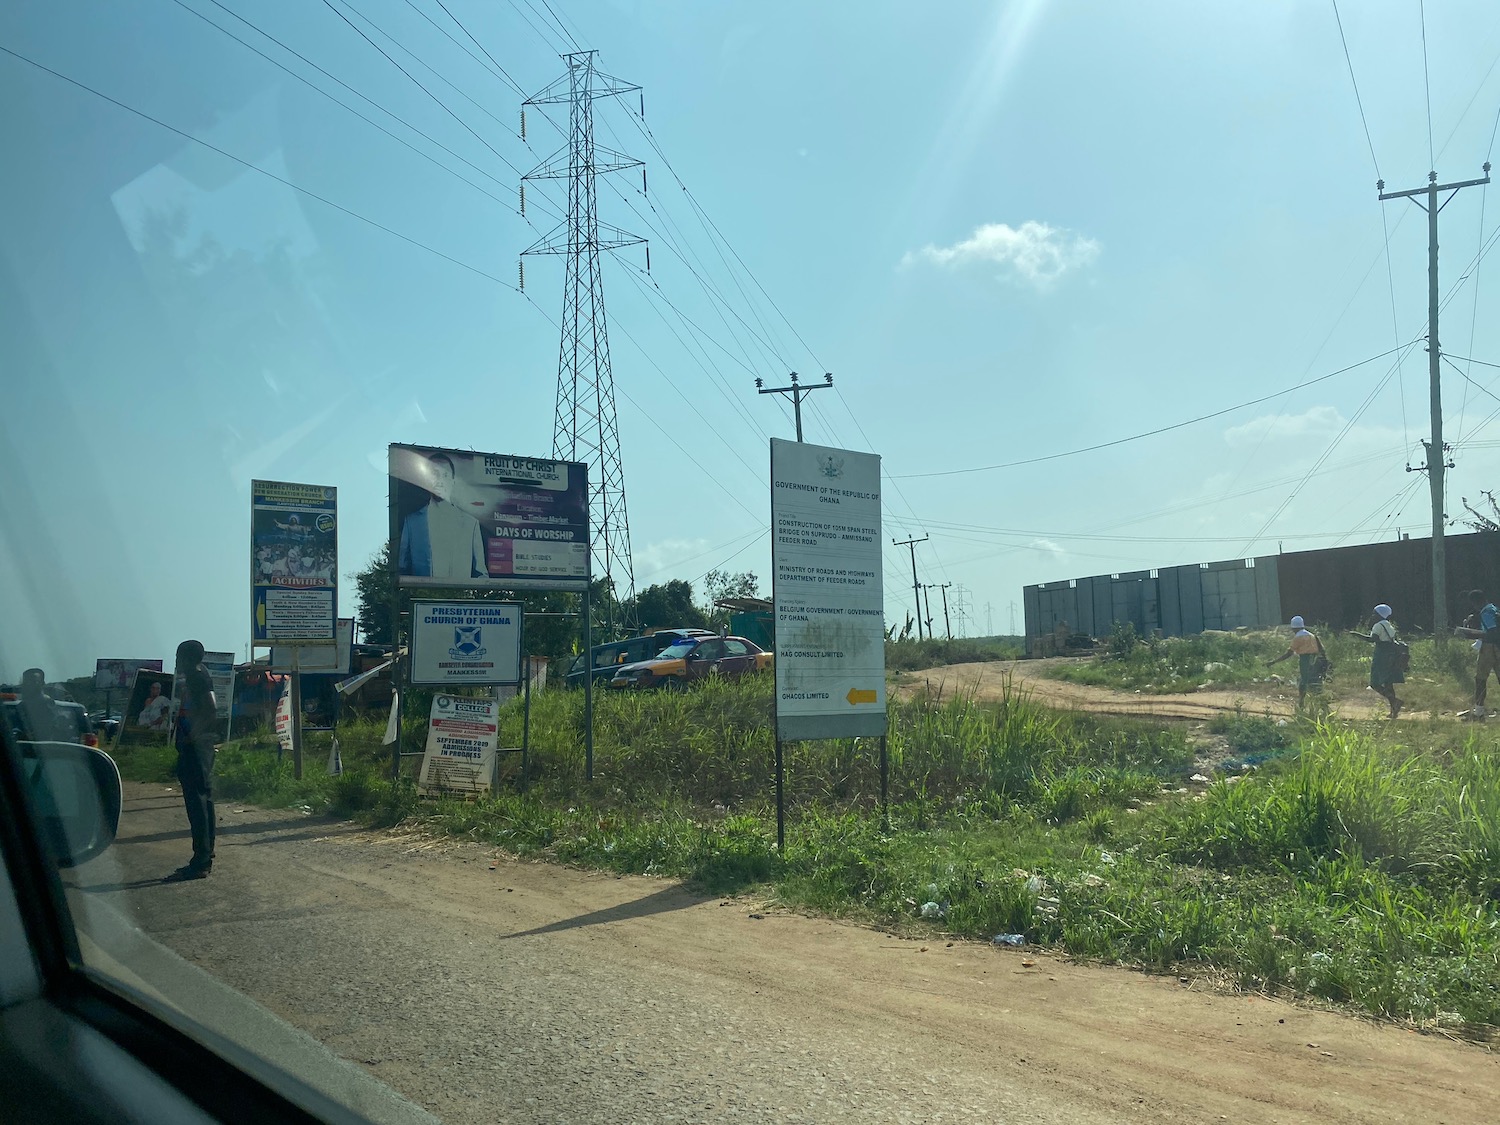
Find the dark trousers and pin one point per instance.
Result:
(198, 795)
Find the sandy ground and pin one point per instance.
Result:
(488, 990)
(986, 680)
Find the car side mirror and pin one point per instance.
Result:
(76, 796)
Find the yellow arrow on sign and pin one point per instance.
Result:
(858, 696)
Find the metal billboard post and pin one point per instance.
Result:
(296, 715)
(885, 786)
(780, 799)
(526, 723)
(588, 678)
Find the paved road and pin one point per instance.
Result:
(488, 990)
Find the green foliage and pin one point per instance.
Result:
(907, 655)
(1356, 870)
(1172, 665)
(1253, 738)
(668, 605)
(1122, 639)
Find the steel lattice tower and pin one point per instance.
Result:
(586, 427)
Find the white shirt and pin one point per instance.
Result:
(1383, 631)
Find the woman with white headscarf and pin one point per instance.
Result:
(1312, 661)
(1386, 668)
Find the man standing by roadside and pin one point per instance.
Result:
(197, 717)
(38, 710)
(1485, 625)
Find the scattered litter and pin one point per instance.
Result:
(1036, 884)
(1105, 857)
(494, 864)
(1092, 880)
(1281, 722)
(509, 889)
(948, 946)
(1320, 958)
(1008, 939)
(1314, 1046)
(758, 917)
(932, 890)
(1028, 963)
(241, 810)
(922, 950)
(1199, 778)
(1326, 1054)
(931, 910)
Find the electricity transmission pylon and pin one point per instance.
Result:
(586, 427)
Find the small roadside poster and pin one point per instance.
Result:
(467, 642)
(147, 716)
(293, 562)
(462, 737)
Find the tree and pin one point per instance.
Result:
(720, 584)
(668, 604)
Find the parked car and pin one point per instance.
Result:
(73, 722)
(694, 658)
(608, 658)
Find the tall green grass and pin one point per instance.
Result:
(1352, 868)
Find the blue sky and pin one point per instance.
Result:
(1009, 229)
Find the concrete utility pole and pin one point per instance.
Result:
(798, 393)
(916, 585)
(927, 602)
(947, 624)
(1437, 451)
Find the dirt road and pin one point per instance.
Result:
(986, 681)
(489, 990)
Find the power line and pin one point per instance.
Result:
(256, 168)
(334, 78)
(1426, 84)
(1158, 430)
(1357, 99)
(332, 7)
(505, 74)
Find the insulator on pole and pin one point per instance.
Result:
(521, 272)
(523, 197)
(523, 125)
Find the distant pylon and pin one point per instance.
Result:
(586, 427)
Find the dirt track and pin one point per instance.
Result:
(986, 680)
(489, 990)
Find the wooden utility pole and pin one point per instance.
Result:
(916, 585)
(797, 391)
(1437, 451)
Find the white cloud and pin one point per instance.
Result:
(1048, 546)
(1037, 253)
(1315, 422)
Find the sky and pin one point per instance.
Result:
(1010, 230)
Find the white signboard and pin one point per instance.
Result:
(467, 642)
(220, 668)
(828, 592)
(462, 736)
(284, 717)
(317, 658)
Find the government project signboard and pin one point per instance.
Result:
(828, 592)
(488, 520)
(294, 563)
(468, 642)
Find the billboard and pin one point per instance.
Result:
(118, 675)
(147, 716)
(220, 668)
(465, 642)
(462, 736)
(294, 562)
(318, 658)
(828, 592)
(487, 520)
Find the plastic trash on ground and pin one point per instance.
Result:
(931, 910)
(1008, 939)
